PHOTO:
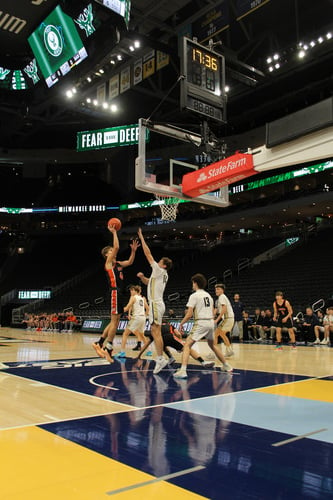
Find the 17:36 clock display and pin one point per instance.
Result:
(205, 59)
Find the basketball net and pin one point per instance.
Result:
(168, 207)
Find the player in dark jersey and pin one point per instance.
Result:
(283, 315)
(173, 338)
(114, 270)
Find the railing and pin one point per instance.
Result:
(173, 296)
(244, 263)
(319, 304)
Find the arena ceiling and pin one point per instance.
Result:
(44, 117)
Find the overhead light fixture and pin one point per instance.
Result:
(114, 108)
(276, 57)
(101, 71)
(329, 36)
(226, 89)
(105, 105)
(137, 44)
(74, 90)
(95, 102)
(301, 54)
(269, 60)
(270, 69)
(320, 39)
(112, 61)
(89, 79)
(132, 49)
(119, 57)
(69, 94)
(277, 66)
(88, 100)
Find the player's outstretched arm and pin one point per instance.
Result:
(143, 278)
(145, 247)
(188, 315)
(134, 246)
(115, 247)
(129, 305)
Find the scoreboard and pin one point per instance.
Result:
(203, 85)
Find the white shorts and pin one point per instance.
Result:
(204, 329)
(137, 324)
(156, 312)
(227, 324)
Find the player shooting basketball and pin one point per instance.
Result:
(114, 270)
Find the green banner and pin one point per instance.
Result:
(105, 138)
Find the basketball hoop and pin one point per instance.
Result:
(168, 206)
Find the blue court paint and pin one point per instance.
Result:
(131, 382)
(284, 414)
(239, 461)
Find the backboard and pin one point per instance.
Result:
(171, 153)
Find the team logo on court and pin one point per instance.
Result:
(53, 40)
(202, 177)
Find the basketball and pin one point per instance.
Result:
(115, 222)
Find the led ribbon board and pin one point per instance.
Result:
(108, 138)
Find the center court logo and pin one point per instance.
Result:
(53, 40)
(202, 177)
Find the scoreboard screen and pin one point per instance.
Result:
(202, 88)
(57, 46)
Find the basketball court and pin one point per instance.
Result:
(74, 426)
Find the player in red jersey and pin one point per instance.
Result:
(114, 270)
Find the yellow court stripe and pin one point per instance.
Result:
(52, 467)
(317, 390)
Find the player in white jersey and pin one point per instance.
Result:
(225, 319)
(156, 285)
(137, 309)
(200, 306)
(328, 326)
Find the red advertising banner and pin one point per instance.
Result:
(217, 175)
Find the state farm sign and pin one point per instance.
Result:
(218, 175)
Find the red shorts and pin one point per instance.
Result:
(118, 302)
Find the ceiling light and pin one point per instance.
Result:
(114, 108)
(105, 105)
(69, 94)
(269, 60)
(305, 47)
(132, 49)
(270, 69)
(301, 54)
(88, 100)
(226, 88)
(276, 57)
(95, 102)
(112, 61)
(320, 39)
(137, 44)
(119, 57)
(89, 79)
(312, 43)
(329, 36)
(74, 90)
(101, 71)
(277, 65)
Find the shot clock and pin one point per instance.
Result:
(202, 88)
